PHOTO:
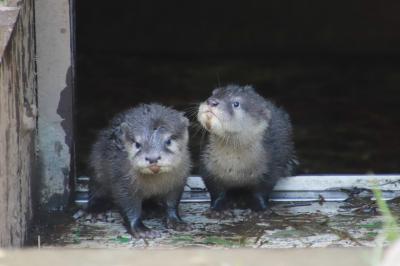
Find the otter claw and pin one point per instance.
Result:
(261, 214)
(149, 234)
(225, 214)
(178, 225)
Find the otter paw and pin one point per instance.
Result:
(178, 225)
(264, 214)
(221, 215)
(140, 233)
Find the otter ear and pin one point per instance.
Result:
(184, 120)
(249, 88)
(119, 135)
(124, 128)
(215, 91)
(124, 131)
(266, 113)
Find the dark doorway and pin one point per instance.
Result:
(335, 67)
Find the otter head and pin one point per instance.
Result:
(155, 138)
(234, 112)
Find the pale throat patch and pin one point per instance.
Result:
(204, 116)
(237, 166)
(208, 120)
(242, 159)
(159, 184)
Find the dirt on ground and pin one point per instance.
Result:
(290, 225)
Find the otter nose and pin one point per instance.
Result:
(212, 102)
(152, 160)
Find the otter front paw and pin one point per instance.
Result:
(261, 214)
(150, 234)
(178, 225)
(221, 215)
(143, 232)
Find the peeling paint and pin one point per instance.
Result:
(53, 176)
(58, 148)
(55, 102)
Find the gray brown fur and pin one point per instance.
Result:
(249, 146)
(127, 168)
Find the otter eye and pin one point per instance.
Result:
(235, 104)
(168, 142)
(138, 145)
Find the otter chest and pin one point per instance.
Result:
(237, 166)
(159, 185)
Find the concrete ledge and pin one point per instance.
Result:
(54, 60)
(187, 257)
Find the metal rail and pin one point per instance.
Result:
(303, 188)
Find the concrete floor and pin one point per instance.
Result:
(317, 233)
(291, 225)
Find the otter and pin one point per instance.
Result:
(143, 154)
(249, 146)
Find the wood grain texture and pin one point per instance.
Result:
(17, 128)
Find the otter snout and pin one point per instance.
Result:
(153, 160)
(212, 102)
(208, 114)
(155, 168)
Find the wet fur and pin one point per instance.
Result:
(253, 157)
(115, 175)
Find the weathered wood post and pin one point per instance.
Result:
(17, 120)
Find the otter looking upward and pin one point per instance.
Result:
(249, 146)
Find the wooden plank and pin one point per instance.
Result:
(17, 121)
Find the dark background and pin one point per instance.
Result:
(333, 65)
